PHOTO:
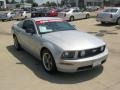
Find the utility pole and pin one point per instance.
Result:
(57, 3)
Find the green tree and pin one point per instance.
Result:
(64, 2)
(7, 1)
(30, 1)
(18, 5)
(47, 3)
(34, 4)
(53, 4)
(13, 2)
(22, 1)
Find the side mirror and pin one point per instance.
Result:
(30, 30)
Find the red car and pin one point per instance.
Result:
(53, 13)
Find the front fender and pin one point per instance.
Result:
(54, 49)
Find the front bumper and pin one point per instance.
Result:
(82, 64)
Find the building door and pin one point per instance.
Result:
(1, 4)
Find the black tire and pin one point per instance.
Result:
(103, 23)
(118, 21)
(72, 18)
(25, 17)
(11, 19)
(49, 65)
(3, 20)
(16, 43)
(87, 16)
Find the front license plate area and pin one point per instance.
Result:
(96, 63)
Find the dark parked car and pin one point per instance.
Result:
(39, 12)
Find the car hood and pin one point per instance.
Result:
(73, 40)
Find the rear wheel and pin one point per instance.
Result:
(103, 23)
(87, 16)
(11, 19)
(16, 43)
(48, 61)
(118, 21)
(71, 18)
(25, 17)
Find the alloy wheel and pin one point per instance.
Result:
(47, 61)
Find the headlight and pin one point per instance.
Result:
(68, 55)
(102, 48)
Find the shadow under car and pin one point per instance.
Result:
(60, 78)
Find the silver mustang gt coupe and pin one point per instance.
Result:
(59, 45)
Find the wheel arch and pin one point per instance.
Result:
(50, 48)
(72, 16)
(53, 49)
(42, 49)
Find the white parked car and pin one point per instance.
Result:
(109, 15)
(7, 15)
(22, 15)
(59, 45)
(73, 13)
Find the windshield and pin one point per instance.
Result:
(111, 10)
(54, 27)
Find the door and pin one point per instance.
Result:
(76, 14)
(82, 14)
(31, 41)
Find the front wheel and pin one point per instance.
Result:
(11, 18)
(87, 16)
(103, 23)
(71, 18)
(3, 20)
(48, 62)
(16, 43)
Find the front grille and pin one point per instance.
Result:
(91, 52)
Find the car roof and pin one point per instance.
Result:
(112, 8)
(46, 18)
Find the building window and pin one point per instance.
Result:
(89, 3)
(97, 3)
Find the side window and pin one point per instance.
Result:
(75, 11)
(27, 25)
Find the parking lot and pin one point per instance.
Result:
(21, 71)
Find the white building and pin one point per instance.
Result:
(84, 3)
(26, 5)
(2, 4)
